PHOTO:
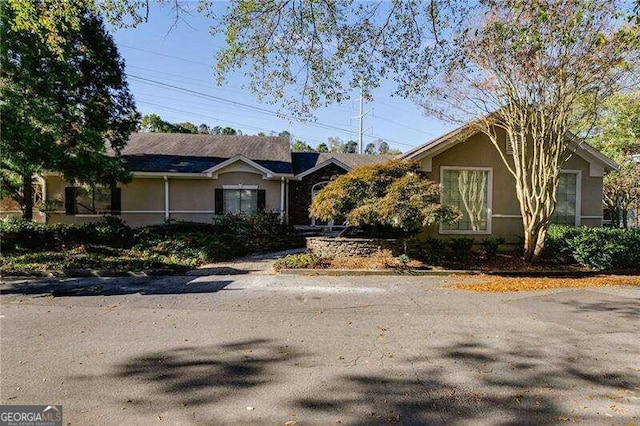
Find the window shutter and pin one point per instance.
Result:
(509, 147)
(116, 200)
(70, 200)
(262, 199)
(219, 200)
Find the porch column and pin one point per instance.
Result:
(282, 198)
(166, 197)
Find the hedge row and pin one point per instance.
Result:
(598, 248)
(228, 237)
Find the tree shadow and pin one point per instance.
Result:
(198, 375)
(470, 381)
(629, 308)
(114, 286)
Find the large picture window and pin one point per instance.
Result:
(567, 195)
(470, 191)
(241, 201)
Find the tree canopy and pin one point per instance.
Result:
(155, 124)
(393, 198)
(61, 110)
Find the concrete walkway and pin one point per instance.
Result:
(257, 264)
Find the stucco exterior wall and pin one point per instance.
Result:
(506, 222)
(143, 199)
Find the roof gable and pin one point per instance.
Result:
(595, 158)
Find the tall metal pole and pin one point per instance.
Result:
(360, 117)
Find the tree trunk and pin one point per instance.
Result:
(27, 196)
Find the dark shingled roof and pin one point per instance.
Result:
(303, 161)
(189, 153)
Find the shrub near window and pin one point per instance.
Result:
(597, 248)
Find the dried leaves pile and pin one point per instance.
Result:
(495, 284)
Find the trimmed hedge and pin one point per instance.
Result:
(598, 248)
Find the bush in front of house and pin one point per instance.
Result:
(461, 247)
(297, 261)
(598, 248)
(388, 200)
(491, 246)
(18, 234)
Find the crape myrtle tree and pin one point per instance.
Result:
(518, 70)
(512, 67)
(61, 108)
(389, 199)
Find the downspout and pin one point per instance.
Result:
(166, 198)
(282, 197)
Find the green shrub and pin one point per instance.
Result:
(597, 248)
(558, 243)
(491, 246)
(297, 261)
(436, 250)
(607, 248)
(461, 247)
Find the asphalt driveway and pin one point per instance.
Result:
(255, 348)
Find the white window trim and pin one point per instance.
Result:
(578, 205)
(489, 200)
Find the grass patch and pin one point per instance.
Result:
(511, 284)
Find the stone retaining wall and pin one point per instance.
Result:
(334, 247)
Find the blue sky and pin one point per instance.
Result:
(183, 56)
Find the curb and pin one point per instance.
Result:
(84, 273)
(374, 272)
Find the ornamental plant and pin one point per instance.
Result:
(389, 200)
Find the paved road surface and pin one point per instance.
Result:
(253, 348)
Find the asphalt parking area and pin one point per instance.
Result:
(255, 348)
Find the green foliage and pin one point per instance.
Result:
(391, 198)
(435, 250)
(558, 242)
(59, 108)
(155, 124)
(461, 247)
(27, 235)
(491, 246)
(300, 146)
(598, 248)
(177, 245)
(297, 261)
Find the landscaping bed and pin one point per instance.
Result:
(111, 247)
(568, 251)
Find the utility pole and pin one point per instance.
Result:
(360, 118)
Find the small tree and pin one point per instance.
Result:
(390, 199)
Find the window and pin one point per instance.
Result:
(568, 197)
(241, 201)
(93, 200)
(470, 191)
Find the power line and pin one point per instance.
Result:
(252, 107)
(216, 119)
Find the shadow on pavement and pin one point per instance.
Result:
(517, 386)
(198, 375)
(629, 308)
(114, 286)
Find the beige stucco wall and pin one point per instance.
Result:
(478, 151)
(190, 199)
